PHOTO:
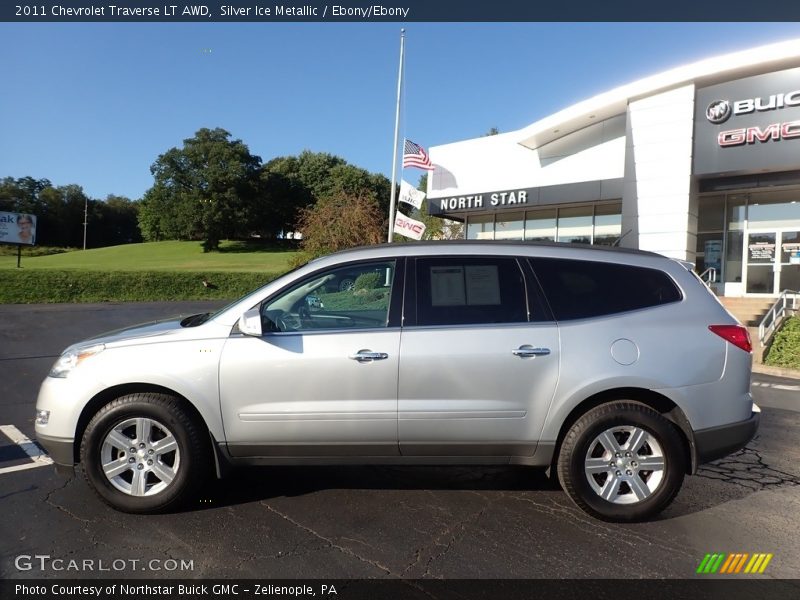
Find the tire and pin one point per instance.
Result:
(347, 284)
(633, 437)
(166, 459)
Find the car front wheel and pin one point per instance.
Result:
(622, 461)
(142, 453)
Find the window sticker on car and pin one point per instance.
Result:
(447, 286)
(483, 285)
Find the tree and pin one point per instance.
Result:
(291, 183)
(22, 195)
(60, 213)
(114, 221)
(208, 190)
(340, 221)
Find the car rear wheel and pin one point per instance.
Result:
(143, 453)
(622, 461)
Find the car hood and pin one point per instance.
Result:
(137, 333)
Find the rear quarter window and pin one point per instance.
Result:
(579, 289)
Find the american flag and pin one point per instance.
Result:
(414, 155)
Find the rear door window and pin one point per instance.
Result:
(470, 290)
(579, 289)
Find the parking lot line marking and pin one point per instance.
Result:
(777, 386)
(38, 457)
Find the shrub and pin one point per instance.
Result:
(38, 286)
(367, 281)
(340, 221)
(785, 348)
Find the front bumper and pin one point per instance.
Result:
(716, 442)
(61, 450)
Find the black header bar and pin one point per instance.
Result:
(396, 11)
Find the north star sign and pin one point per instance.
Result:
(478, 201)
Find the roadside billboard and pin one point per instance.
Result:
(17, 228)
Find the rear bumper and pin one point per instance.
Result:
(716, 442)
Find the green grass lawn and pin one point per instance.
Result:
(161, 256)
(140, 272)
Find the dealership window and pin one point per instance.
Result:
(540, 225)
(711, 234)
(575, 225)
(607, 224)
(735, 210)
(773, 210)
(510, 226)
(711, 214)
(588, 224)
(726, 221)
(480, 227)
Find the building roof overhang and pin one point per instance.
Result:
(717, 69)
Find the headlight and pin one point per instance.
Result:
(72, 358)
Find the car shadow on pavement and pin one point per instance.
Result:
(254, 484)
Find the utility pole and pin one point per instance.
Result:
(85, 218)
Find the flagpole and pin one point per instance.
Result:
(396, 133)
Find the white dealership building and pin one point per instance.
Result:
(700, 163)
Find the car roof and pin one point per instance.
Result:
(485, 246)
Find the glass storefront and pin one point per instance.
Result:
(589, 224)
(480, 228)
(510, 226)
(540, 225)
(753, 240)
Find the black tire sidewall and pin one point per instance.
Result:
(592, 425)
(161, 409)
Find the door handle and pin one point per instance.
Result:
(363, 356)
(528, 351)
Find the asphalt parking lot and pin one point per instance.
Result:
(354, 522)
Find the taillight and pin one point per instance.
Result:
(735, 334)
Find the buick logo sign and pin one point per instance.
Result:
(718, 111)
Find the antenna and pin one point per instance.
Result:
(619, 239)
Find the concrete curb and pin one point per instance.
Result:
(776, 371)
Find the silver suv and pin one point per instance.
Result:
(617, 369)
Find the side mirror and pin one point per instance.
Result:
(250, 322)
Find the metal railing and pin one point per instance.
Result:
(786, 304)
(709, 276)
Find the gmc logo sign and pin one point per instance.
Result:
(751, 135)
(414, 227)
